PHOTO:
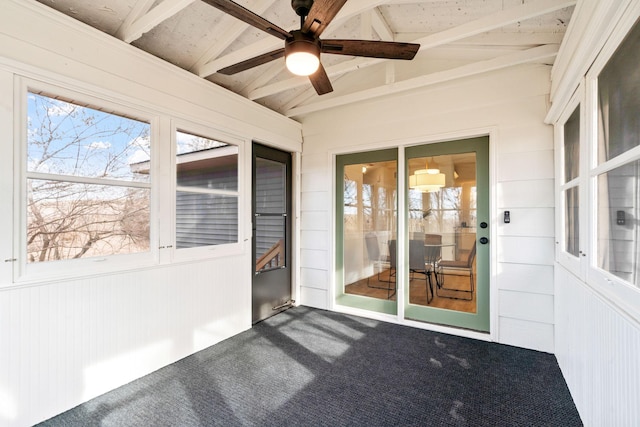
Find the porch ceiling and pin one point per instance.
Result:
(458, 38)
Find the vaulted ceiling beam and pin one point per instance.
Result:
(263, 78)
(511, 39)
(366, 25)
(481, 25)
(521, 57)
(231, 28)
(494, 21)
(380, 26)
(138, 10)
(152, 18)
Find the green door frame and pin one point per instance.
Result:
(356, 301)
(479, 321)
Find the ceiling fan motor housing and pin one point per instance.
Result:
(302, 7)
(301, 42)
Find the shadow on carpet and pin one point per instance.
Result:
(308, 367)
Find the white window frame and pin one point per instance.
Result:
(202, 252)
(575, 264)
(24, 272)
(620, 293)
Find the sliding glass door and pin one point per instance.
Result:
(437, 264)
(447, 221)
(366, 230)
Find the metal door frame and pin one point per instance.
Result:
(285, 272)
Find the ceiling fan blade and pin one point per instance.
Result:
(371, 48)
(321, 14)
(245, 15)
(320, 81)
(252, 62)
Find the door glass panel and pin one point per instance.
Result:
(270, 211)
(270, 197)
(369, 229)
(270, 234)
(442, 231)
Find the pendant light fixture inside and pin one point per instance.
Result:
(427, 180)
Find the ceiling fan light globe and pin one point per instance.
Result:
(302, 63)
(302, 53)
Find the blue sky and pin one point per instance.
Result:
(82, 141)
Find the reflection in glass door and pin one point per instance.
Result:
(448, 230)
(367, 230)
(442, 218)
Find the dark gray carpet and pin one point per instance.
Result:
(308, 367)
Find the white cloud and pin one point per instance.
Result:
(138, 156)
(35, 165)
(139, 142)
(99, 145)
(61, 108)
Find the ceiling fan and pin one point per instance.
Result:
(302, 47)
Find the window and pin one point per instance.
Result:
(617, 166)
(98, 195)
(206, 191)
(85, 197)
(571, 163)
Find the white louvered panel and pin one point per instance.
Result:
(597, 349)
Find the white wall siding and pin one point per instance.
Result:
(314, 230)
(597, 349)
(596, 344)
(527, 334)
(64, 342)
(512, 104)
(525, 278)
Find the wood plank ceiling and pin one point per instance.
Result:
(458, 38)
